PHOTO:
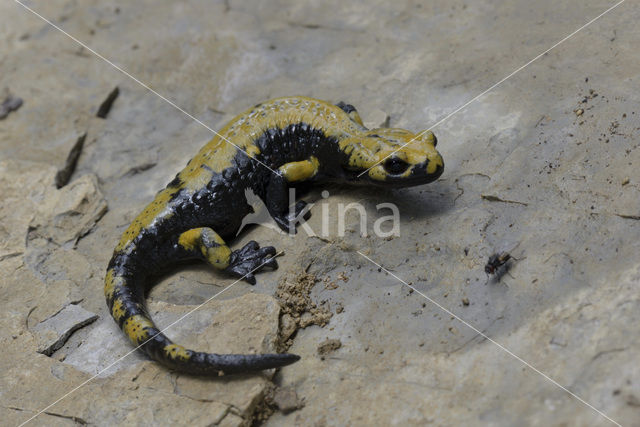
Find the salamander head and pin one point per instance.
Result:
(393, 157)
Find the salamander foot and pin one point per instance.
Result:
(250, 259)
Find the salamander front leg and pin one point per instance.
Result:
(250, 259)
(277, 195)
(206, 244)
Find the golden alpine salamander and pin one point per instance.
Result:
(304, 140)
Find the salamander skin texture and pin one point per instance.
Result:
(303, 140)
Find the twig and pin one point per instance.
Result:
(105, 107)
(64, 174)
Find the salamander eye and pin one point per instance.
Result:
(395, 166)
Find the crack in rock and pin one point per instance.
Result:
(52, 333)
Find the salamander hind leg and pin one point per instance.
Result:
(206, 244)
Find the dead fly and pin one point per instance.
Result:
(496, 261)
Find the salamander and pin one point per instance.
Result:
(267, 149)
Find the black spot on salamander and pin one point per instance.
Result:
(175, 182)
(175, 196)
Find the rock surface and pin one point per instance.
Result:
(543, 167)
(51, 334)
(71, 212)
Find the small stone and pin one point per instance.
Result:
(465, 301)
(377, 119)
(288, 326)
(625, 181)
(579, 112)
(287, 400)
(633, 401)
(329, 346)
(10, 104)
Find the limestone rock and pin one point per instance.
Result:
(23, 187)
(70, 212)
(52, 333)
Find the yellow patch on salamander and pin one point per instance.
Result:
(175, 351)
(300, 171)
(136, 328)
(434, 162)
(252, 150)
(117, 311)
(218, 256)
(209, 243)
(111, 282)
(190, 240)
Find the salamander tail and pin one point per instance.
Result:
(125, 301)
